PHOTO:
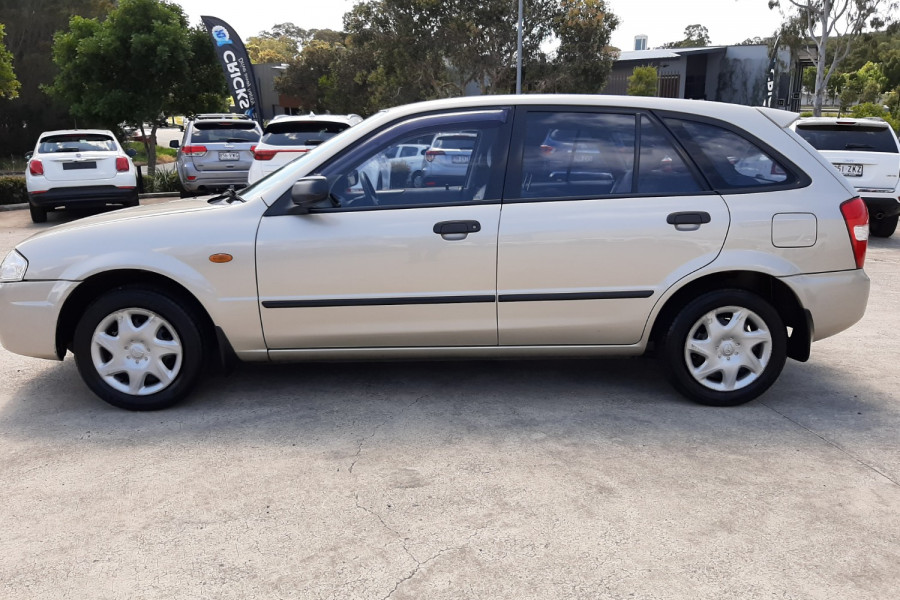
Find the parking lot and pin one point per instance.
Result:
(490, 480)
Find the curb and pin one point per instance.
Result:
(6, 207)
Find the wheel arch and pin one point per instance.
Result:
(773, 290)
(100, 283)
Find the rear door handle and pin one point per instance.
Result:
(456, 230)
(688, 218)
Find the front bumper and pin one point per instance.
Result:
(88, 196)
(29, 314)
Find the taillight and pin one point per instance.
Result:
(430, 154)
(122, 164)
(857, 218)
(193, 150)
(264, 154)
(36, 167)
(545, 149)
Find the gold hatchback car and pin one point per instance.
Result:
(584, 226)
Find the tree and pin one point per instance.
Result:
(643, 82)
(399, 51)
(842, 21)
(140, 63)
(9, 85)
(29, 40)
(695, 36)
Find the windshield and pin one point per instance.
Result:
(278, 181)
(301, 133)
(865, 138)
(78, 142)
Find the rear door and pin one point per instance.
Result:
(593, 230)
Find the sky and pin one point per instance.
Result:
(728, 21)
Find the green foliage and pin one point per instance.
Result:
(400, 51)
(30, 25)
(141, 149)
(162, 180)
(875, 110)
(9, 85)
(141, 62)
(695, 36)
(12, 190)
(643, 82)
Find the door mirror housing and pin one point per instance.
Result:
(308, 192)
(131, 152)
(28, 155)
(173, 144)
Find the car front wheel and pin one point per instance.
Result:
(138, 349)
(725, 348)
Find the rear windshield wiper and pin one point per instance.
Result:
(857, 146)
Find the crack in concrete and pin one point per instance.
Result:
(379, 426)
(834, 445)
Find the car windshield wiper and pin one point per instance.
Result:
(229, 196)
(857, 146)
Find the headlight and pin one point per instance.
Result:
(13, 267)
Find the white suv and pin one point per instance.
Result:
(286, 138)
(79, 167)
(649, 239)
(866, 152)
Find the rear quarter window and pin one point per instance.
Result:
(729, 160)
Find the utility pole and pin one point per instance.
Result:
(519, 52)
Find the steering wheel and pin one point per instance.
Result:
(368, 188)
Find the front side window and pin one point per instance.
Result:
(729, 160)
(448, 163)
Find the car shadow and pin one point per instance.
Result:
(398, 402)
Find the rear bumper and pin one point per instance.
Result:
(834, 300)
(92, 195)
(211, 180)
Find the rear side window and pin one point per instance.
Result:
(588, 155)
(216, 131)
(727, 159)
(76, 143)
(301, 133)
(848, 137)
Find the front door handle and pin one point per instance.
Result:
(688, 218)
(456, 230)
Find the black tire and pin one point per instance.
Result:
(417, 179)
(712, 363)
(155, 365)
(884, 227)
(38, 213)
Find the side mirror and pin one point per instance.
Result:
(424, 150)
(309, 191)
(173, 143)
(29, 154)
(131, 152)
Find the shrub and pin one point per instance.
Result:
(869, 109)
(12, 190)
(162, 181)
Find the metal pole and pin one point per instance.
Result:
(519, 52)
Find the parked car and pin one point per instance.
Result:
(406, 163)
(289, 137)
(866, 152)
(722, 275)
(79, 167)
(215, 152)
(447, 159)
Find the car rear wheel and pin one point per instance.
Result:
(725, 348)
(884, 227)
(138, 349)
(38, 213)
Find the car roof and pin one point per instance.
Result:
(75, 131)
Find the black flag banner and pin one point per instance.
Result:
(236, 65)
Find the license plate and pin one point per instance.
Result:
(460, 160)
(850, 170)
(75, 166)
(229, 155)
